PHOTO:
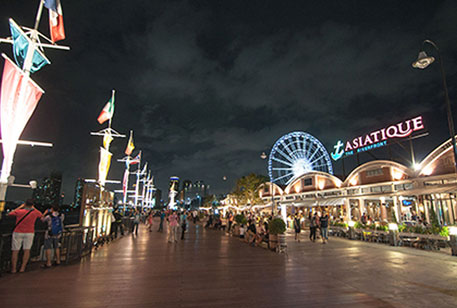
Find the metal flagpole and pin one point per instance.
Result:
(137, 182)
(33, 44)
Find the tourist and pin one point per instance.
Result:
(173, 227)
(297, 227)
(54, 221)
(162, 218)
(313, 223)
(136, 222)
(149, 221)
(209, 223)
(183, 220)
(242, 231)
(323, 221)
(251, 232)
(23, 233)
(230, 221)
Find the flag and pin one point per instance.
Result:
(19, 98)
(130, 145)
(107, 112)
(143, 172)
(107, 140)
(21, 47)
(136, 160)
(103, 166)
(55, 20)
(125, 182)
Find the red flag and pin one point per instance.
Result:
(125, 182)
(55, 20)
(19, 97)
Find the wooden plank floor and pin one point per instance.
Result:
(210, 269)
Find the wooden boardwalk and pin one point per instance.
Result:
(210, 269)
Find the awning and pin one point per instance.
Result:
(331, 202)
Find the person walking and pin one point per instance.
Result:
(312, 227)
(162, 218)
(324, 227)
(173, 227)
(23, 233)
(149, 221)
(136, 222)
(297, 227)
(183, 221)
(54, 221)
(230, 222)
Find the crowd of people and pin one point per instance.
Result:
(252, 228)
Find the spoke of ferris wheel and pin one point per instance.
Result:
(297, 140)
(286, 146)
(290, 180)
(283, 176)
(292, 144)
(281, 161)
(285, 155)
(315, 152)
(277, 169)
(317, 159)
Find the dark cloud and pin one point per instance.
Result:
(208, 85)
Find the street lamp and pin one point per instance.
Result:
(264, 156)
(422, 62)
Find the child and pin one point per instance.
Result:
(242, 231)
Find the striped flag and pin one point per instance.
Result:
(55, 20)
(136, 160)
(107, 112)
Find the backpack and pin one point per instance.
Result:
(56, 225)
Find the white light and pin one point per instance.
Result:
(452, 230)
(417, 167)
(393, 227)
(351, 223)
(300, 166)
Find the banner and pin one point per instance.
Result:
(103, 167)
(19, 98)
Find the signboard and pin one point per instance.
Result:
(377, 138)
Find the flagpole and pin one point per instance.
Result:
(112, 102)
(137, 181)
(38, 15)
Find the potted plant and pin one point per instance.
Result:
(276, 228)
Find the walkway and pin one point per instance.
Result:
(210, 269)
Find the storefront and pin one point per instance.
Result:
(379, 191)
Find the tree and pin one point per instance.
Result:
(246, 189)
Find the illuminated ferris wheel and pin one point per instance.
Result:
(295, 154)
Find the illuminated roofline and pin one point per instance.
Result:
(431, 158)
(382, 163)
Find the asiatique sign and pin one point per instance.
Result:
(377, 138)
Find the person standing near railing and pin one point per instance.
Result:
(23, 233)
(54, 221)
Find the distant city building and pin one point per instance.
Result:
(48, 192)
(192, 194)
(174, 183)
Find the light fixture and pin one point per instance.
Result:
(423, 60)
(351, 223)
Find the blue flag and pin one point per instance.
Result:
(20, 48)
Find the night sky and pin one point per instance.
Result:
(207, 86)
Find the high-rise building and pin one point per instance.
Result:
(48, 192)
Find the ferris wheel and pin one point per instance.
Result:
(295, 154)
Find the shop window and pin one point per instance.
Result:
(307, 182)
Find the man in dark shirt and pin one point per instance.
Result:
(324, 227)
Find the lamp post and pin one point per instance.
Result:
(422, 62)
(264, 156)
